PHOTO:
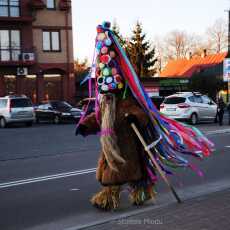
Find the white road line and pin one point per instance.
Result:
(45, 178)
(227, 146)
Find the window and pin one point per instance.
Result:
(50, 4)
(51, 41)
(3, 103)
(10, 45)
(174, 100)
(9, 8)
(198, 99)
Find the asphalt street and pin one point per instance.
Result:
(47, 177)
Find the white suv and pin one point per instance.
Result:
(16, 109)
(189, 106)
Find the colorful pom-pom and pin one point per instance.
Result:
(105, 88)
(114, 71)
(106, 25)
(99, 45)
(112, 86)
(112, 54)
(106, 72)
(118, 78)
(101, 36)
(105, 59)
(108, 79)
(108, 42)
(120, 85)
(100, 80)
(104, 50)
(100, 29)
(101, 65)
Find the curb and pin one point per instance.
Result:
(188, 194)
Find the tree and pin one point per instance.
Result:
(116, 31)
(141, 53)
(179, 44)
(81, 70)
(217, 36)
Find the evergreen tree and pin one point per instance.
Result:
(141, 54)
(116, 31)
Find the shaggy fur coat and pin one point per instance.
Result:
(131, 149)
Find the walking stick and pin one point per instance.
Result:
(154, 161)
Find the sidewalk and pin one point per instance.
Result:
(209, 212)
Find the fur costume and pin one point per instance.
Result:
(120, 100)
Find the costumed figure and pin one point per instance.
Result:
(120, 102)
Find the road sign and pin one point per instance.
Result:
(226, 70)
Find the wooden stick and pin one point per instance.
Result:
(155, 162)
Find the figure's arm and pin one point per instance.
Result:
(88, 126)
(141, 116)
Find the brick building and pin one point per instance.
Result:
(36, 49)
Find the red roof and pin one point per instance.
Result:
(187, 67)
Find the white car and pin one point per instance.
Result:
(189, 106)
(16, 109)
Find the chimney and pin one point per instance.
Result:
(189, 55)
(204, 53)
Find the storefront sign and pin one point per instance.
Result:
(226, 70)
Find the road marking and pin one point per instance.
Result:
(75, 189)
(45, 178)
(227, 146)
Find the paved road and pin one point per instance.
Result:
(47, 177)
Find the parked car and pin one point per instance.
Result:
(57, 112)
(16, 109)
(189, 106)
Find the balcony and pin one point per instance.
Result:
(17, 57)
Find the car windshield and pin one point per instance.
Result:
(22, 102)
(60, 105)
(174, 100)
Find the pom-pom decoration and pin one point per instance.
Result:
(100, 80)
(106, 25)
(109, 79)
(112, 86)
(108, 42)
(114, 71)
(106, 71)
(101, 36)
(101, 65)
(104, 50)
(118, 78)
(112, 54)
(105, 59)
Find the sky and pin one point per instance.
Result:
(157, 17)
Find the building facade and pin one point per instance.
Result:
(36, 49)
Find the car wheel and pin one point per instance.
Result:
(29, 124)
(194, 119)
(56, 119)
(2, 122)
